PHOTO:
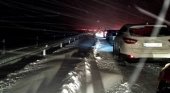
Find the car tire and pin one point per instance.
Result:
(121, 60)
(115, 49)
(116, 52)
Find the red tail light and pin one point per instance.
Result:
(129, 40)
(130, 56)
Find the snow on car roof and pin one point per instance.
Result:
(142, 26)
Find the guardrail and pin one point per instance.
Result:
(42, 50)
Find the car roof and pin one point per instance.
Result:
(143, 25)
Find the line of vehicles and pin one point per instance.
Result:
(135, 41)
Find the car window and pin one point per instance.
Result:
(114, 33)
(147, 31)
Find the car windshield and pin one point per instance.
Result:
(148, 31)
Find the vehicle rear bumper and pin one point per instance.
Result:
(150, 57)
(146, 54)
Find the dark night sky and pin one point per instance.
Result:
(57, 15)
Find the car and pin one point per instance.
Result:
(110, 35)
(142, 41)
(164, 80)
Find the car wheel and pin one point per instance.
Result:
(121, 60)
(116, 52)
(115, 49)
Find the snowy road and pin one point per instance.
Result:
(82, 67)
(125, 79)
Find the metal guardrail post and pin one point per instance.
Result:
(69, 42)
(44, 50)
(61, 45)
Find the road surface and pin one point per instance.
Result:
(85, 66)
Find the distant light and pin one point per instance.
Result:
(99, 34)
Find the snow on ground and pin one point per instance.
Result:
(78, 69)
(13, 78)
(63, 69)
(74, 79)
